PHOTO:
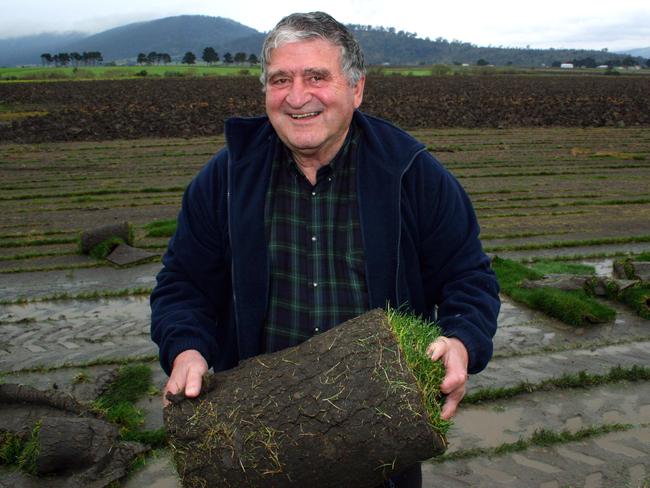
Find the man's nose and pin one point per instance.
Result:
(299, 94)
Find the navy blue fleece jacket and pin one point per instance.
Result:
(420, 238)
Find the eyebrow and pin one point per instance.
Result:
(323, 72)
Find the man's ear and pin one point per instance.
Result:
(358, 92)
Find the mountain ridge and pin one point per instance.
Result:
(178, 34)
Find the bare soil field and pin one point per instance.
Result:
(128, 109)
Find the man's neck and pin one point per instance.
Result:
(310, 166)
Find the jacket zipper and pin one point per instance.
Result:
(232, 254)
(399, 220)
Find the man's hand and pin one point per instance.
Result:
(455, 359)
(187, 372)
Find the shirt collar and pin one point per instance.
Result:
(334, 164)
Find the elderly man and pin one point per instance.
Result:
(311, 216)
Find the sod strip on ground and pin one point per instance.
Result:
(540, 438)
(160, 228)
(571, 307)
(90, 295)
(638, 298)
(548, 266)
(117, 405)
(59, 443)
(583, 379)
(572, 243)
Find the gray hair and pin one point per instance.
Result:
(316, 25)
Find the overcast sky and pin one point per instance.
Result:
(589, 24)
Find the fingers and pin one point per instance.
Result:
(451, 403)
(455, 358)
(438, 348)
(187, 373)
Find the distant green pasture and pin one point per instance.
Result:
(40, 73)
(112, 72)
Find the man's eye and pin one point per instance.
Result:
(279, 81)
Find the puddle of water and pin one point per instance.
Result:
(489, 428)
(157, 473)
(604, 267)
(574, 424)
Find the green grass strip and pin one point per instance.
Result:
(571, 307)
(638, 298)
(32, 234)
(88, 364)
(90, 295)
(58, 267)
(572, 346)
(11, 446)
(540, 438)
(104, 248)
(117, 404)
(576, 257)
(414, 336)
(160, 228)
(529, 214)
(33, 255)
(577, 203)
(571, 243)
(518, 235)
(551, 266)
(156, 438)
(39, 242)
(21, 452)
(107, 191)
(578, 380)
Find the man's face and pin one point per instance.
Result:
(308, 98)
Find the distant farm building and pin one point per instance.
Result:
(566, 65)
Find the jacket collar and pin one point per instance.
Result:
(389, 147)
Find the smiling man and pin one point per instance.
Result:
(313, 215)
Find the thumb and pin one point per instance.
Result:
(194, 382)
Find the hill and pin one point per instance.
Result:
(644, 52)
(387, 46)
(177, 35)
(172, 35)
(28, 49)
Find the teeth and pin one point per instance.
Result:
(304, 116)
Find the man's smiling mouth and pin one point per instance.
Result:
(304, 116)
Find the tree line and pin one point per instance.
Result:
(209, 55)
(64, 59)
(589, 62)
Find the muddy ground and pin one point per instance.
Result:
(133, 109)
(538, 192)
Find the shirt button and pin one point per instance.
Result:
(315, 284)
(313, 238)
(313, 194)
(316, 329)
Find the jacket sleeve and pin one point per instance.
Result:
(194, 282)
(456, 273)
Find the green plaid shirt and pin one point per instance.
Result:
(317, 262)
